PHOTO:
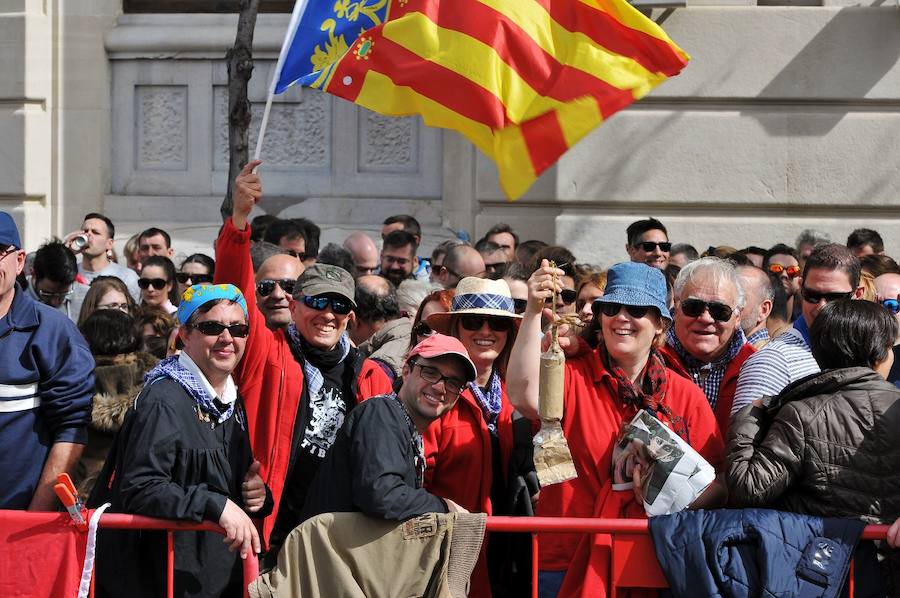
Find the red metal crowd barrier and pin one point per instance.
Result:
(634, 563)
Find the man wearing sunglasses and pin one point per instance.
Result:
(831, 272)
(53, 279)
(887, 289)
(706, 344)
(298, 382)
(648, 243)
(784, 262)
(46, 385)
(275, 282)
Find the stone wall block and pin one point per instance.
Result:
(162, 127)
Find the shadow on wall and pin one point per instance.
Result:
(842, 63)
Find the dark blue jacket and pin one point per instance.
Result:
(755, 552)
(46, 385)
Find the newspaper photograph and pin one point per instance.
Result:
(675, 475)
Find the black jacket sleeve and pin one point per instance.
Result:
(146, 486)
(384, 468)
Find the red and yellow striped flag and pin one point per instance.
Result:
(524, 80)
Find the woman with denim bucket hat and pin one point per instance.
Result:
(478, 436)
(604, 389)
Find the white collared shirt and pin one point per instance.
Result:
(228, 397)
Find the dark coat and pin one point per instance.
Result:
(755, 552)
(827, 447)
(169, 461)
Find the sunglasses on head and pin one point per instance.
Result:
(649, 246)
(694, 308)
(611, 310)
(811, 296)
(267, 286)
(892, 305)
(422, 329)
(473, 323)
(339, 305)
(791, 271)
(184, 277)
(213, 328)
(157, 283)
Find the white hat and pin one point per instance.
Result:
(477, 296)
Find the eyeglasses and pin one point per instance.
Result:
(157, 283)
(694, 308)
(183, 277)
(267, 287)
(119, 306)
(432, 375)
(610, 310)
(213, 328)
(649, 246)
(400, 261)
(811, 296)
(519, 305)
(422, 329)
(47, 296)
(892, 305)
(339, 305)
(472, 323)
(791, 271)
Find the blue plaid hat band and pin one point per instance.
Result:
(482, 301)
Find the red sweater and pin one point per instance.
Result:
(268, 376)
(592, 419)
(726, 389)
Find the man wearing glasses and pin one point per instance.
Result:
(377, 463)
(275, 282)
(298, 382)
(53, 279)
(706, 343)
(831, 272)
(46, 385)
(648, 243)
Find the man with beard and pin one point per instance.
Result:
(398, 256)
(299, 382)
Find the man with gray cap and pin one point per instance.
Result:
(46, 385)
(300, 382)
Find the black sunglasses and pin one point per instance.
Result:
(423, 329)
(339, 305)
(157, 283)
(567, 296)
(473, 322)
(296, 254)
(649, 246)
(213, 328)
(811, 296)
(519, 305)
(611, 310)
(183, 277)
(694, 308)
(267, 286)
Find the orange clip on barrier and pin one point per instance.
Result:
(70, 502)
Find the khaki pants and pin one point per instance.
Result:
(351, 555)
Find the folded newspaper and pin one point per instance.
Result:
(677, 473)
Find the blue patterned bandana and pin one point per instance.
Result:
(198, 294)
(171, 368)
(490, 402)
(314, 378)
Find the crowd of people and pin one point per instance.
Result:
(273, 381)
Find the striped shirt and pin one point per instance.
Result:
(785, 359)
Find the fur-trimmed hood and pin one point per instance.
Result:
(119, 381)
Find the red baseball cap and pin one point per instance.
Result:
(439, 345)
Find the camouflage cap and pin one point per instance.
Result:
(325, 279)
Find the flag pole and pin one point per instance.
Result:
(299, 8)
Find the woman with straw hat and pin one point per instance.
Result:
(478, 436)
(604, 389)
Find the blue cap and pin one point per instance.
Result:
(632, 283)
(9, 232)
(198, 294)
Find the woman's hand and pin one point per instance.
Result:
(541, 286)
(240, 533)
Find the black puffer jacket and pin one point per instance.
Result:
(828, 446)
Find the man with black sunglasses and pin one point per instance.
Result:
(275, 282)
(648, 243)
(299, 382)
(706, 344)
(831, 272)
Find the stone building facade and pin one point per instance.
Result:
(788, 117)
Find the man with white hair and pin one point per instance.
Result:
(706, 344)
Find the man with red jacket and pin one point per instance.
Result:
(706, 344)
(298, 383)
